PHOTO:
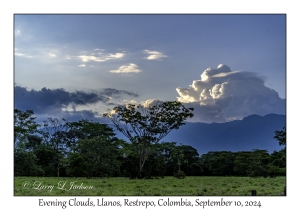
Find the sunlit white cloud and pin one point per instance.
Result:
(129, 102)
(151, 102)
(23, 55)
(98, 49)
(222, 95)
(52, 55)
(98, 57)
(43, 53)
(131, 68)
(81, 65)
(154, 55)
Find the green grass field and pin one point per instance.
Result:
(168, 186)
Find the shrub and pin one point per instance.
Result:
(179, 174)
(274, 171)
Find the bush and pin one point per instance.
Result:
(179, 174)
(274, 171)
(25, 164)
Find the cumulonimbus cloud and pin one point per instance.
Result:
(223, 95)
(131, 68)
(154, 55)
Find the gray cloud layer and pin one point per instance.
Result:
(114, 92)
(50, 102)
(223, 95)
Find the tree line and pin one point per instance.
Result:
(90, 149)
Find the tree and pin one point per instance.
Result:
(278, 165)
(33, 142)
(190, 155)
(280, 136)
(167, 149)
(219, 163)
(278, 158)
(145, 125)
(54, 133)
(24, 125)
(85, 129)
(25, 141)
(253, 163)
(48, 159)
(93, 149)
(179, 157)
(99, 155)
(259, 163)
(242, 163)
(26, 164)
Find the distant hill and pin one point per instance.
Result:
(253, 132)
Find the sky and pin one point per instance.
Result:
(78, 66)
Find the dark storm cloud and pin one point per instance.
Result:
(45, 100)
(114, 92)
(53, 102)
(72, 116)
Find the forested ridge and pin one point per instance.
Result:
(90, 149)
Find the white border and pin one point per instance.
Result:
(8, 8)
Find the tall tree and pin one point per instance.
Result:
(147, 125)
(94, 149)
(219, 163)
(54, 131)
(24, 125)
(278, 164)
(85, 129)
(259, 162)
(242, 163)
(280, 136)
(100, 156)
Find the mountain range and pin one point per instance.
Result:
(252, 132)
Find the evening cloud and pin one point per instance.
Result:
(223, 95)
(54, 102)
(154, 55)
(131, 68)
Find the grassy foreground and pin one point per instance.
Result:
(168, 186)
